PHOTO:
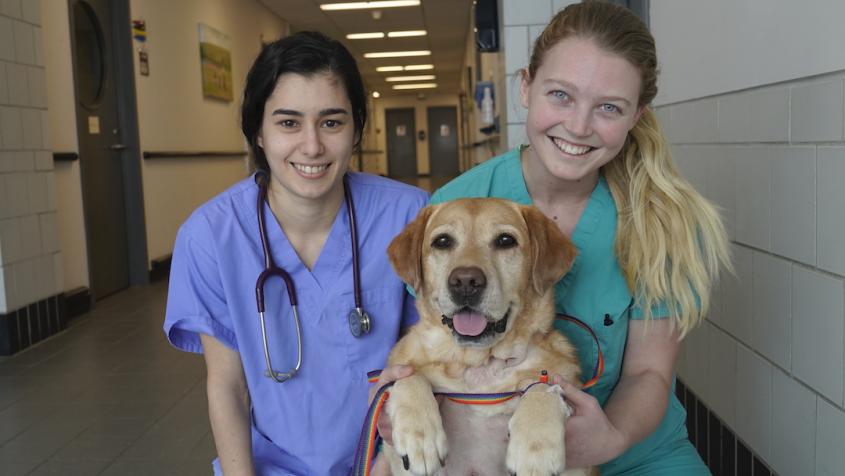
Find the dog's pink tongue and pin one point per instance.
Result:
(469, 323)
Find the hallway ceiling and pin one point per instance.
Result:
(446, 21)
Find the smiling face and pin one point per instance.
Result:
(581, 104)
(307, 134)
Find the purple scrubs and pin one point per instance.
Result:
(311, 423)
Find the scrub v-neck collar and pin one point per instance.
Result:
(587, 223)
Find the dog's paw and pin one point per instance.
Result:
(536, 444)
(418, 435)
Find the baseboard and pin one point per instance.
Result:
(77, 301)
(31, 324)
(160, 268)
(724, 453)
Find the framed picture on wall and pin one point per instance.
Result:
(216, 63)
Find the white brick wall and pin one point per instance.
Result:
(29, 249)
(775, 339)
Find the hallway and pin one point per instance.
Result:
(107, 396)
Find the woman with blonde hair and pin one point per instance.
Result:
(650, 247)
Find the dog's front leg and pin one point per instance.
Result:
(418, 436)
(536, 444)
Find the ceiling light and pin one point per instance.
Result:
(376, 94)
(415, 86)
(364, 36)
(397, 54)
(400, 34)
(365, 5)
(418, 67)
(424, 77)
(387, 69)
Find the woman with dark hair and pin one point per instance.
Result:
(287, 385)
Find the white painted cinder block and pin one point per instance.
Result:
(516, 113)
(43, 160)
(11, 132)
(753, 197)
(793, 426)
(31, 11)
(37, 87)
(771, 290)
(46, 141)
(16, 189)
(24, 161)
(31, 124)
(58, 272)
(830, 459)
(10, 241)
(7, 40)
(818, 326)
(38, 38)
(695, 122)
(721, 377)
(30, 233)
(664, 117)
(794, 203)
(754, 401)
(12, 8)
(45, 284)
(4, 302)
(49, 233)
(516, 135)
(735, 292)
(526, 12)
(37, 189)
(24, 272)
(18, 84)
(755, 116)
(516, 48)
(4, 84)
(733, 119)
(24, 43)
(721, 185)
(694, 374)
(817, 113)
(691, 162)
(830, 209)
(558, 5)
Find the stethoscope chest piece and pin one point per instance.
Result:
(359, 322)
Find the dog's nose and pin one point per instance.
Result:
(467, 282)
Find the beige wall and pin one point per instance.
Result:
(70, 225)
(173, 115)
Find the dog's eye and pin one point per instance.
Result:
(442, 242)
(505, 241)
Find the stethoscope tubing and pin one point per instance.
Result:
(271, 269)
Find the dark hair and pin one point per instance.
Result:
(306, 53)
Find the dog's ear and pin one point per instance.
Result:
(405, 251)
(552, 253)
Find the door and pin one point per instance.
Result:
(101, 150)
(401, 143)
(443, 141)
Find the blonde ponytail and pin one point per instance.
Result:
(670, 241)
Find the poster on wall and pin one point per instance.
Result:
(216, 63)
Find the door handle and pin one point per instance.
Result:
(117, 147)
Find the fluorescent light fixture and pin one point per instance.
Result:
(415, 86)
(424, 77)
(400, 34)
(364, 36)
(366, 5)
(397, 54)
(388, 69)
(418, 67)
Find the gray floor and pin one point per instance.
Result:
(107, 396)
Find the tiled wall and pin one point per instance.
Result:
(770, 359)
(29, 249)
(765, 372)
(523, 21)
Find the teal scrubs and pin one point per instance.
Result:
(594, 290)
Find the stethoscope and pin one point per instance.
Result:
(359, 320)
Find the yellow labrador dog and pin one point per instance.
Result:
(483, 271)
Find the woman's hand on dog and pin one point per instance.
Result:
(591, 439)
(389, 374)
